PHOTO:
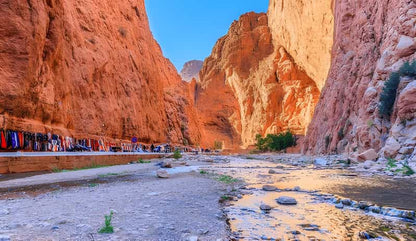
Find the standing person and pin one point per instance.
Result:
(152, 147)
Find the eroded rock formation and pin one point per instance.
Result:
(372, 39)
(250, 85)
(305, 29)
(191, 70)
(89, 68)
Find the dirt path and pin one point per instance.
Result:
(182, 207)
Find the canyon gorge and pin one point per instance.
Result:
(315, 67)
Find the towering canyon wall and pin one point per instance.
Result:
(250, 85)
(89, 68)
(372, 39)
(305, 29)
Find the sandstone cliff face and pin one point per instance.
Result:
(87, 68)
(372, 39)
(250, 86)
(305, 29)
(191, 70)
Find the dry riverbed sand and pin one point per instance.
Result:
(182, 207)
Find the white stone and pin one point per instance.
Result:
(368, 164)
(320, 162)
(405, 42)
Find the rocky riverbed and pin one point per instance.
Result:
(199, 197)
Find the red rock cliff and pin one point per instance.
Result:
(89, 68)
(372, 39)
(249, 86)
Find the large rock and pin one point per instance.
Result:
(257, 85)
(63, 70)
(368, 155)
(392, 147)
(286, 200)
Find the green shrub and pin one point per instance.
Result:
(218, 145)
(389, 93)
(177, 154)
(108, 228)
(274, 142)
(227, 179)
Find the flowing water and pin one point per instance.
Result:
(315, 217)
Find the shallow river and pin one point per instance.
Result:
(314, 217)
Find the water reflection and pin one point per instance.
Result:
(312, 218)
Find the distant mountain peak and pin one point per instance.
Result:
(191, 70)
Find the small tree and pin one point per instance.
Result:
(273, 142)
(177, 154)
(389, 93)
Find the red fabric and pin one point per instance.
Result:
(21, 140)
(3, 141)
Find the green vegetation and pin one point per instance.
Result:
(405, 170)
(250, 158)
(391, 163)
(218, 145)
(370, 123)
(92, 184)
(203, 172)
(142, 162)
(385, 229)
(389, 93)
(177, 154)
(225, 198)
(93, 166)
(108, 174)
(274, 142)
(108, 228)
(227, 179)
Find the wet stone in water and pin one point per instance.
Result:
(269, 188)
(283, 200)
(265, 207)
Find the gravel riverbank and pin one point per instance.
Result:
(182, 207)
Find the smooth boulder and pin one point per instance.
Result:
(265, 207)
(162, 174)
(283, 200)
(369, 155)
(269, 188)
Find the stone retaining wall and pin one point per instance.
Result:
(20, 164)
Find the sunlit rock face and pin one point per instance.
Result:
(88, 68)
(191, 70)
(305, 29)
(249, 86)
(372, 39)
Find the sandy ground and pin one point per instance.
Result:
(182, 207)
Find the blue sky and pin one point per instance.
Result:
(188, 29)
